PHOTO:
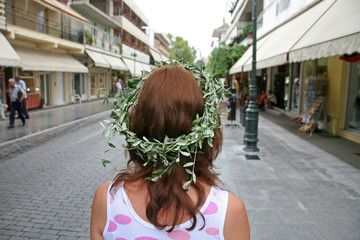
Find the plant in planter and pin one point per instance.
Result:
(42, 102)
(89, 37)
(247, 31)
(110, 46)
(103, 43)
(120, 47)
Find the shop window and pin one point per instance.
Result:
(352, 120)
(29, 79)
(295, 90)
(315, 82)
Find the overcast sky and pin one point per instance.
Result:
(194, 20)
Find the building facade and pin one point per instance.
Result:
(42, 35)
(307, 56)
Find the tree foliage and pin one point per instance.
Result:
(223, 58)
(180, 49)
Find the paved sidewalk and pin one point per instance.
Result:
(296, 190)
(42, 119)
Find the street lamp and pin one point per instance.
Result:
(133, 54)
(252, 112)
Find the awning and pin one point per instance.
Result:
(138, 68)
(87, 9)
(38, 60)
(274, 52)
(98, 58)
(337, 32)
(163, 57)
(156, 55)
(8, 56)
(146, 67)
(237, 67)
(245, 62)
(115, 62)
(61, 8)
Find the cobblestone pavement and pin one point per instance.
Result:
(296, 190)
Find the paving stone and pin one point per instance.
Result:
(289, 194)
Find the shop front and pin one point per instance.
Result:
(46, 74)
(352, 112)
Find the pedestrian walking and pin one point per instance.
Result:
(119, 86)
(22, 84)
(169, 190)
(16, 95)
(3, 107)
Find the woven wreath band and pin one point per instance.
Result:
(163, 155)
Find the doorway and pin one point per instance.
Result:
(60, 87)
(45, 87)
(78, 85)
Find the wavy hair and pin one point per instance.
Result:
(168, 103)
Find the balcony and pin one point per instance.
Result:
(65, 28)
(101, 39)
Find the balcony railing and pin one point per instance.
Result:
(71, 29)
(101, 39)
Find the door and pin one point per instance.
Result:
(76, 82)
(79, 85)
(45, 88)
(60, 87)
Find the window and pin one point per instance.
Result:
(94, 31)
(352, 118)
(40, 19)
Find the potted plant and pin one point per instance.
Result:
(89, 37)
(42, 101)
(120, 47)
(247, 31)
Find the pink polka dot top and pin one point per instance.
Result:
(123, 223)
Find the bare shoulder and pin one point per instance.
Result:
(236, 221)
(99, 211)
(102, 190)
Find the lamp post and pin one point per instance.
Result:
(134, 55)
(252, 112)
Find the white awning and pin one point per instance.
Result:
(237, 67)
(138, 68)
(163, 57)
(8, 56)
(275, 51)
(146, 67)
(98, 59)
(61, 8)
(115, 62)
(155, 55)
(38, 60)
(245, 62)
(337, 32)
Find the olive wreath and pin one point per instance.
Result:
(167, 153)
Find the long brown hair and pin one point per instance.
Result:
(168, 103)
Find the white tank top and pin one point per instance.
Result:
(123, 223)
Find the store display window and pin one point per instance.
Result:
(295, 90)
(352, 120)
(28, 77)
(315, 82)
